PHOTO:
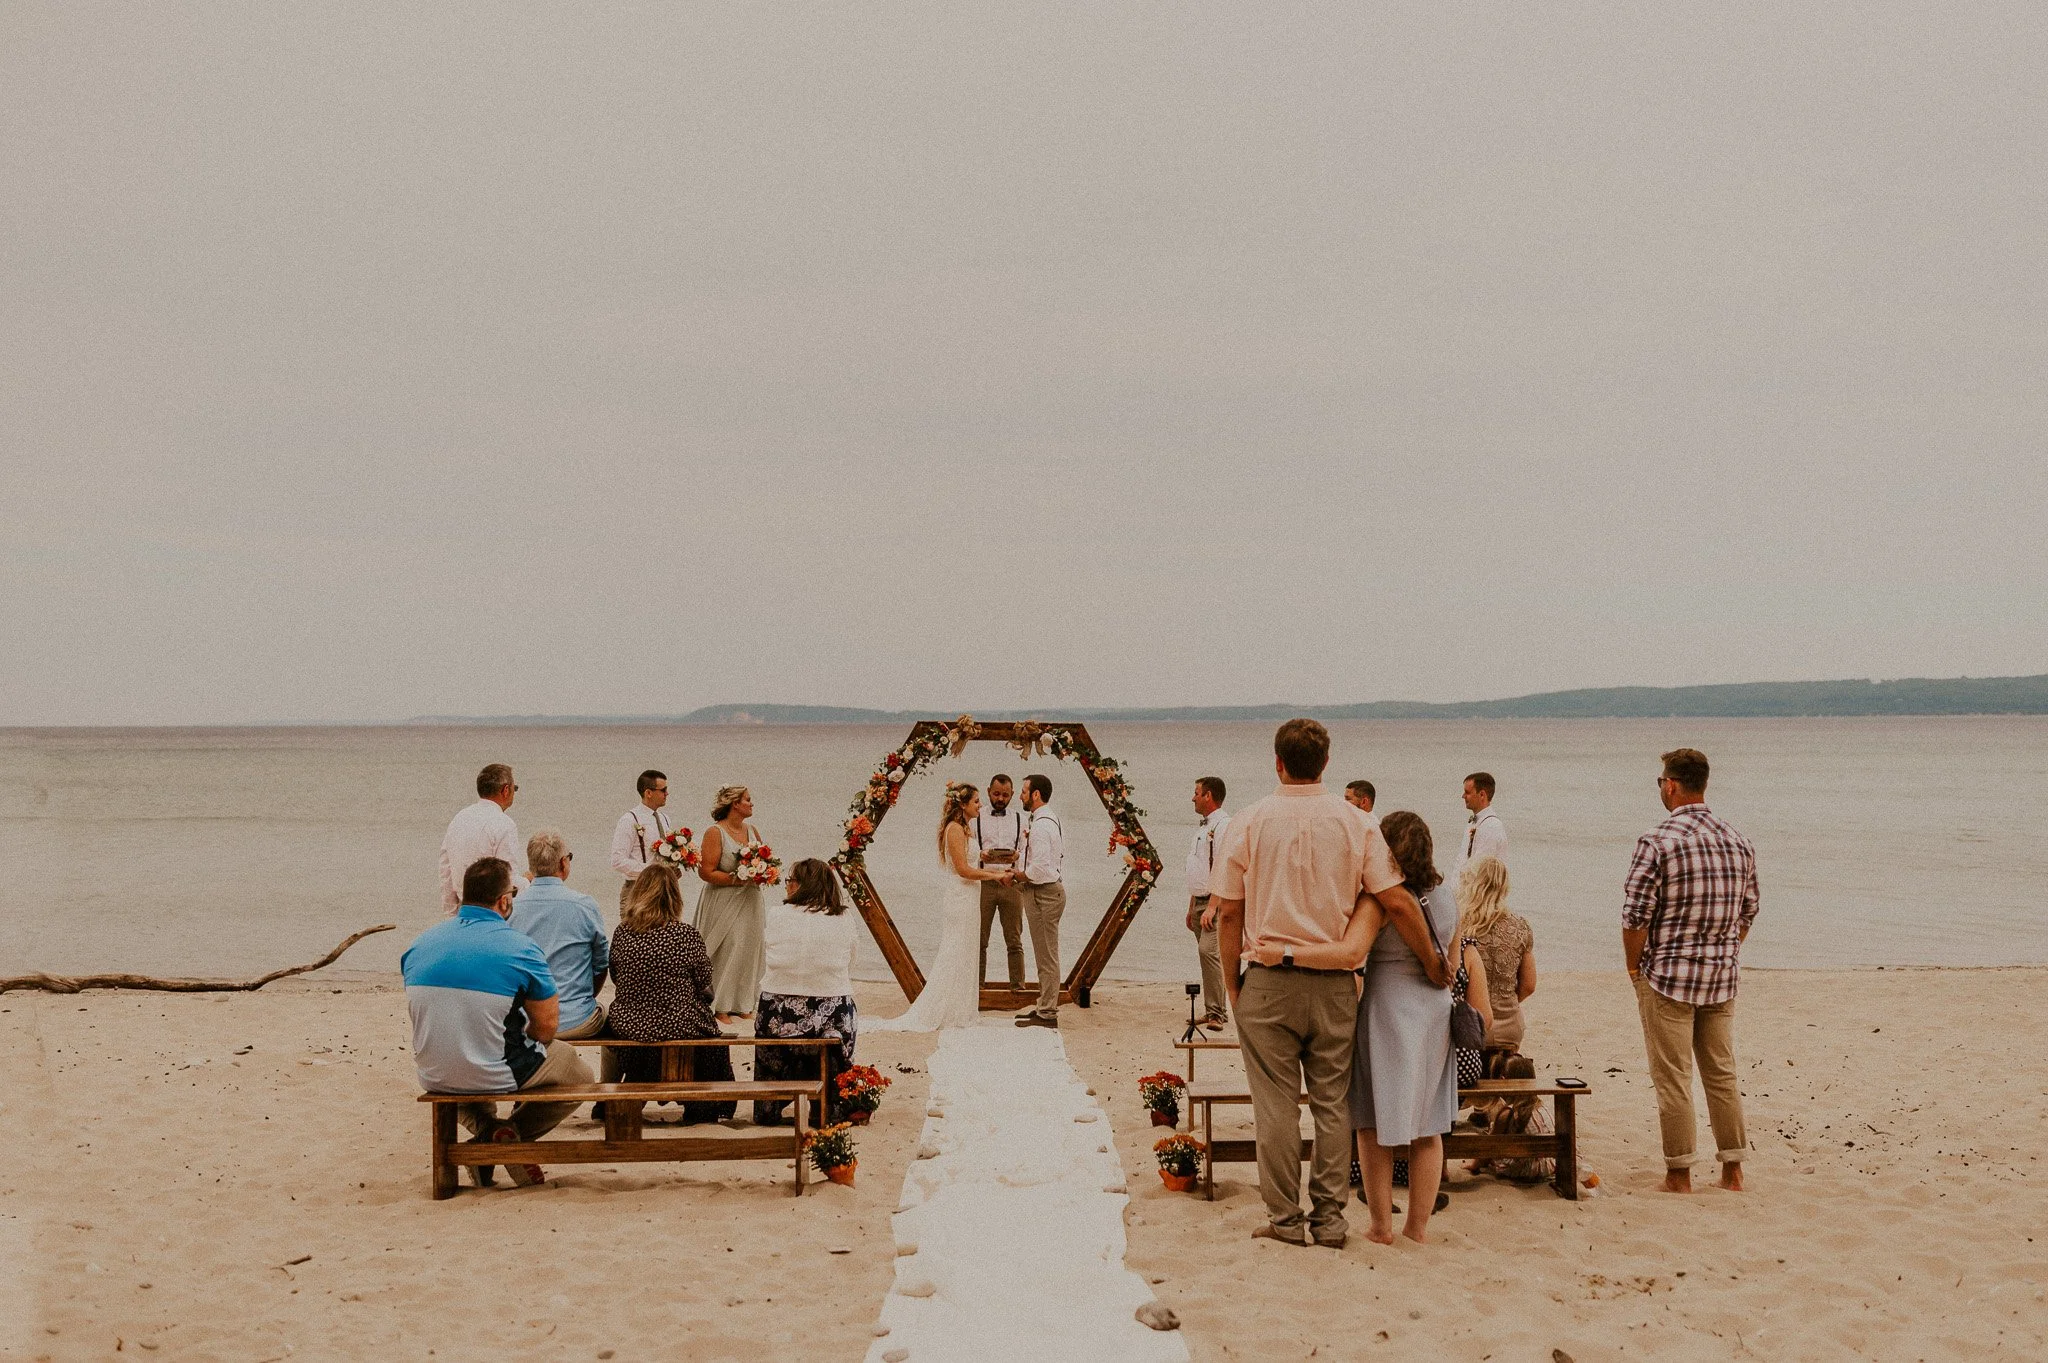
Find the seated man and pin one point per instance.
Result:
(570, 932)
(484, 1014)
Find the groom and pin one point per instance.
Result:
(1045, 898)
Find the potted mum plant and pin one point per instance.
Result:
(1161, 1095)
(832, 1153)
(1180, 1162)
(860, 1092)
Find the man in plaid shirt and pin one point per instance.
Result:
(1687, 905)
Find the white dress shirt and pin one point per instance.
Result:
(1045, 848)
(808, 954)
(1002, 832)
(1202, 856)
(478, 831)
(1485, 836)
(633, 840)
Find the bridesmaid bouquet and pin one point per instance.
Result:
(758, 865)
(677, 850)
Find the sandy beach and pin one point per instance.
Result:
(176, 1159)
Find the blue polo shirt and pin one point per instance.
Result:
(570, 930)
(465, 981)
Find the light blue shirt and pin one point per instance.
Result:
(570, 931)
(467, 980)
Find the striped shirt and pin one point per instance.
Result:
(467, 980)
(1692, 885)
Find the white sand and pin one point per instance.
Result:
(1014, 1216)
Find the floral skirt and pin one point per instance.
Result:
(803, 1015)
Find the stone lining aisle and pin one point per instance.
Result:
(1010, 1233)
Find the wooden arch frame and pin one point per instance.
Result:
(931, 739)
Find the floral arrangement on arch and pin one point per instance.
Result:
(860, 1091)
(677, 850)
(1126, 834)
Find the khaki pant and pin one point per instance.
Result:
(1295, 1028)
(1007, 900)
(533, 1119)
(1214, 998)
(1673, 1034)
(592, 1025)
(1043, 905)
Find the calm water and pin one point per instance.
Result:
(1893, 841)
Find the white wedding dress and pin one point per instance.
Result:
(952, 987)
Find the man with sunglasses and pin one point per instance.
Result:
(481, 830)
(639, 828)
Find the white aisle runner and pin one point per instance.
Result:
(1017, 1220)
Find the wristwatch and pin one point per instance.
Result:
(1287, 957)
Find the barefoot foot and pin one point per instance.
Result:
(1380, 1235)
(1731, 1178)
(1678, 1181)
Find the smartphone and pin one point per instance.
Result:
(1571, 1083)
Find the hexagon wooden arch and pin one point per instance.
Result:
(1105, 777)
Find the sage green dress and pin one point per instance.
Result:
(730, 919)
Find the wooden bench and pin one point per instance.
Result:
(1191, 1047)
(625, 1137)
(1562, 1147)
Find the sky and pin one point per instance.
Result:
(374, 360)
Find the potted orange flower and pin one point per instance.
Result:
(1180, 1162)
(832, 1153)
(860, 1092)
(1161, 1095)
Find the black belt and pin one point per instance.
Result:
(1199, 898)
(1297, 969)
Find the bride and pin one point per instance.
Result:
(952, 992)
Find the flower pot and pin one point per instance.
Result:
(843, 1173)
(1178, 1183)
(859, 1118)
(1169, 1117)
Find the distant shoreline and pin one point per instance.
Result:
(1854, 698)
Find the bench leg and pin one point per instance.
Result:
(1208, 1148)
(800, 1125)
(444, 1136)
(1567, 1124)
(622, 1120)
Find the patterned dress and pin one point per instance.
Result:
(662, 992)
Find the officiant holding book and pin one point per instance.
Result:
(997, 835)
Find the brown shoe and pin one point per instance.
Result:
(1269, 1231)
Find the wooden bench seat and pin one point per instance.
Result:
(1562, 1147)
(678, 1058)
(626, 1139)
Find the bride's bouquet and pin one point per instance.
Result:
(676, 849)
(758, 865)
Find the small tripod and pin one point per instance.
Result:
(1194, 1031)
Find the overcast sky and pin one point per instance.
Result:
(362, 361)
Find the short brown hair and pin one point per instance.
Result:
(486, 881)
(813, 887)
(492, 779)
(655, 900)
(1303, 747)
(1482, 781)
(1688, 767)
(1364, 788)
(1212, 784)
(1414, 851)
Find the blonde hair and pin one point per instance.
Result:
(727, 797)
(958, 793)
(656, 899)
(1482, 896)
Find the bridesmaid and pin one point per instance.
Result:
(730, 915)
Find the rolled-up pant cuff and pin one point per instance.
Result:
(1679, 1161)
(1730, 1156)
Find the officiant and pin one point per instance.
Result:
(998, 834)
(639, 829)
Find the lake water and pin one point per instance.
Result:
(231, 851)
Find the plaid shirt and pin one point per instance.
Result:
(1693, 885)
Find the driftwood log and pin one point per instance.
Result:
(71, 984)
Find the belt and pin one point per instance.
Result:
(1199, 898)
(1296, 969)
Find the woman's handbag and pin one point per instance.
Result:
(1468, 1029)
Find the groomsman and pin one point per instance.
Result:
(1485, 834)
(1360, 795)
(1045, 898)
(999, 843)
(481, 830)
(638, 830)
(1201, 916)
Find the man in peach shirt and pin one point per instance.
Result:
(1305, 872)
